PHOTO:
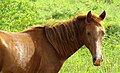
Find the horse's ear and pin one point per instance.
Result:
(102, 16)
(89, 16)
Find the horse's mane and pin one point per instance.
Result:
(65, 34)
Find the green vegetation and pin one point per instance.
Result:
(17, 15)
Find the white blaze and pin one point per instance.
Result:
(98, 49)
(98, 44)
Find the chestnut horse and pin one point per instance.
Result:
(44, 49)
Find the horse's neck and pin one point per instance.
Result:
(64, 39)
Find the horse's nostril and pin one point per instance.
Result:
(94, 59)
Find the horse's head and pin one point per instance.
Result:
(94, 32)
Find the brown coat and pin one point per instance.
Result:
(26, 52)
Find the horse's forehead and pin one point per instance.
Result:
(95, 28)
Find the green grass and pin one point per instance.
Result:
(17, 15)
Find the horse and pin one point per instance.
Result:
(44, 49)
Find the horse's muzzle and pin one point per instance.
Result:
(97, 61)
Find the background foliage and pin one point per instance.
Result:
(17, 15)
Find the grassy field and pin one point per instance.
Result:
(17, 15)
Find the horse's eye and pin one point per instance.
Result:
(88, 33)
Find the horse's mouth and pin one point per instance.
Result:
(97, 62)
